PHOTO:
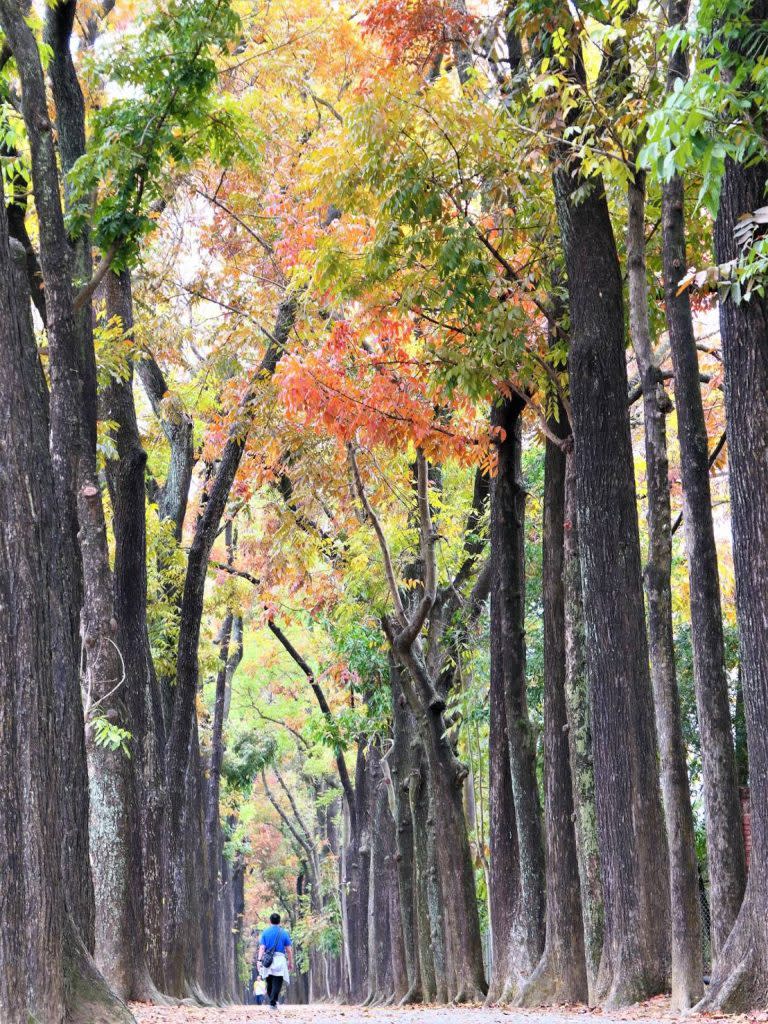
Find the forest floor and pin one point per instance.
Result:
(656, 1011)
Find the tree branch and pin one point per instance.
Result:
(473, 547)
(341, 764)
(283, 725)
(176, 424)
(240, 573)
(294, 808)
(376, 523)
(309, 850)
(99, 274)
(427, 541)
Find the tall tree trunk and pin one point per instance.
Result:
(115, 836)
(212, 819)
(506, 974)
(740, 978)
(125, 477)
(65, 444)
(404, 736)
(687, 964)
(400, 984)
(580, 740)
(358, 880)
(13, 937)
(53, 967)
(198, 923)
(238, 907)
(725, 847)
(379, 957)
(428, 903)
(32, 915)
(72, 442)
(360, 868)
(445, 779)
(226, 927)
(508, 556)
(633, 855)
(561, 974)
(229, 658)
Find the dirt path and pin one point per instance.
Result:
(655, 1013)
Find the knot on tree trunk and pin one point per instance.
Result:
(663, 401)
(437, 703)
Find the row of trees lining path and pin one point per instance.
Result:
(122, 876)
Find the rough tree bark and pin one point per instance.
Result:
(117, 802)
(379, 952)
(561, 974)
(115, 820)
(725, 847)
(400, 984)
(31, 922)
(65, 444)
(508, 557)
(225, 922)
(445, 777)
(358, 879)
(177, 427)
(61, 972)
(502, 829)
(631, 839)
(740, 977)
(71, 143)
(126, 481)
(429, 907)
(687, 964)
(229, 657)
(72, 442)
(214, 880)
(580, 740)
(115, 851)
(238, 906)
(404, 735)
(198, 920)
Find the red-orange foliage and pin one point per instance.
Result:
(366, 381)
(414, 30)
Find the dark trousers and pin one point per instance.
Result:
(274, 984)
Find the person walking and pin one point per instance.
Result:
(275, 958)
(259, 991)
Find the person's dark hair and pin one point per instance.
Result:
(274, 919)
